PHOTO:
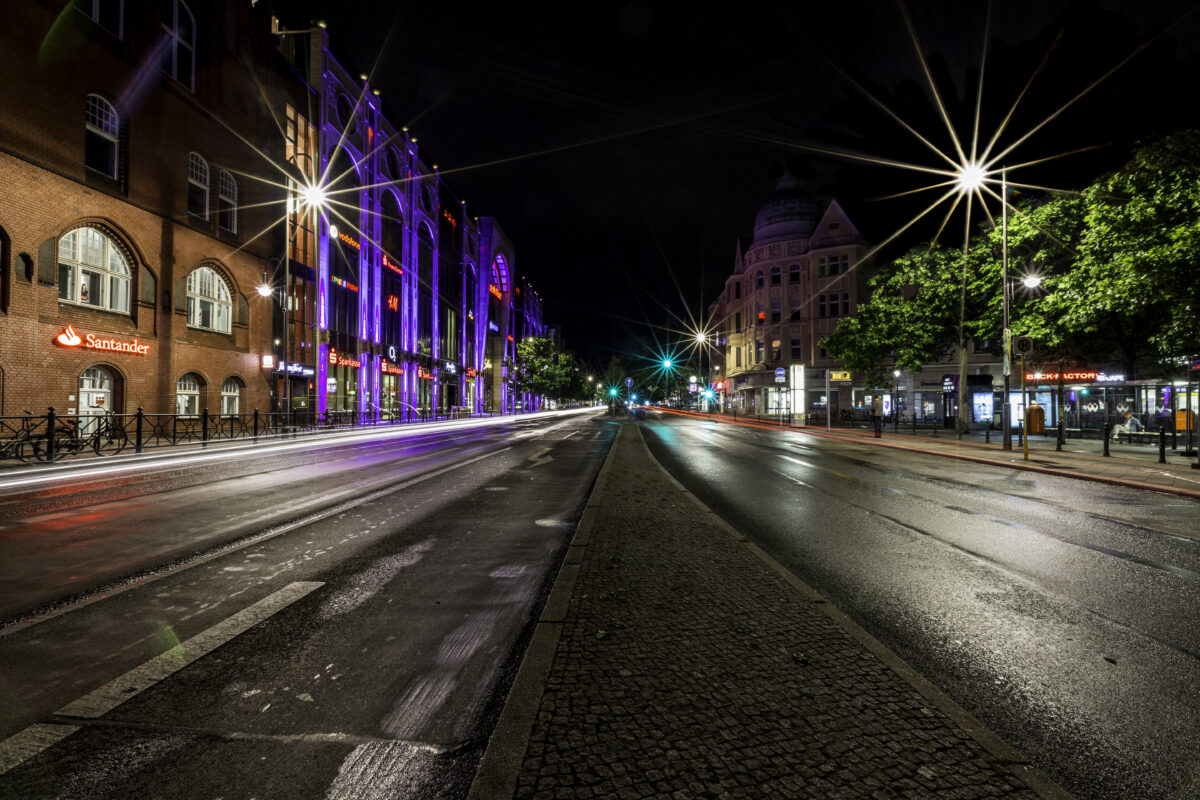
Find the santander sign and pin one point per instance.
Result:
(69, 338)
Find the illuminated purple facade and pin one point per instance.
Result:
(416, 305)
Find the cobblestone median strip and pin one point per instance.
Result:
(689, 664)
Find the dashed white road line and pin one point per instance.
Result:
(99, 702)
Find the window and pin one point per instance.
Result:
(822, 309)
(737, 291)
(776, 350)
(187, 395)
(208, 301)
(821, 267)
(197, 196)
(797, 305)
(231, 395)
(105, 13)
(737, 356)
(758, 279)
(797, 350)
(102, 134)
(776, 276)
(759, 314)
(92, 271)
(737, 321)
(179, 60)
(845, 304)
(794, 273)
(758, 351)
(227, 202)
(776, 311)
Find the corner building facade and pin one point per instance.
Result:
(802, 273)
(127, 226)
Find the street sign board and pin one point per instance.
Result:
(1024, 344)
(839, 376)
(780, 375)
(629, 383)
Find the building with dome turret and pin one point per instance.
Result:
(801, 274)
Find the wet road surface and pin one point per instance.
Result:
(338, 622)
(1062, 613)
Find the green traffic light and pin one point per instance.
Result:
(612, 391)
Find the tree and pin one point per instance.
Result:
(540, 368)
(1135, 285)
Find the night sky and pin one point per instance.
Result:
(625, 147)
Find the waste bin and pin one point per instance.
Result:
(1035, 419)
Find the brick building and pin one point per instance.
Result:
(128, 225)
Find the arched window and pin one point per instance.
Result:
(197, 195)
(227, 195)
(344, 109)
(187, 394)
(179, 55)
(92, 271)
(391, 164)
(209, 304)
(95, 397)
(231, 397)
(102, 135)
(776, 276)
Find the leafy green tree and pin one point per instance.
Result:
(540, 368)
(1135, 285)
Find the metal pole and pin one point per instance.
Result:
(287, 331)
(829, 410)
(1025, 407)
(1005, 408)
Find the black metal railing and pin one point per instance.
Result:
(53, 436)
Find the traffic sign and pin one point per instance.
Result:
(629, 383)
(839, 376)
(780, 375)
(1024, 344)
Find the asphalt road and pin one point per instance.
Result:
(339, 621)
(1062, 613)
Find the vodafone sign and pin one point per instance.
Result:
(69, 338)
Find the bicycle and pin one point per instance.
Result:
(21, 446)
(106, 439)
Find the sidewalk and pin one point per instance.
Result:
(674, 659)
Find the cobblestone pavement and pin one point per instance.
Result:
(686, 666)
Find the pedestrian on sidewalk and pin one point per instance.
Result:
(877, 415)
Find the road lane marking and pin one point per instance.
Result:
(31, 741)
(540, 457)
(814, 466)
(97, 703)
(112, 694)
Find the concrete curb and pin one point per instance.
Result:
(1023, 772)
(502, 759)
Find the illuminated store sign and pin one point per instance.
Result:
(292, 368)
(495, 291)
(392, 265)
(493, 327)
(471, 373)
(424, 374)
(450, 368)
(388, 368)
(393, 302)
(450, 218)
(69, 338)
(344, 284)
(348, 239)
(1080, 375)
(336, 360)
